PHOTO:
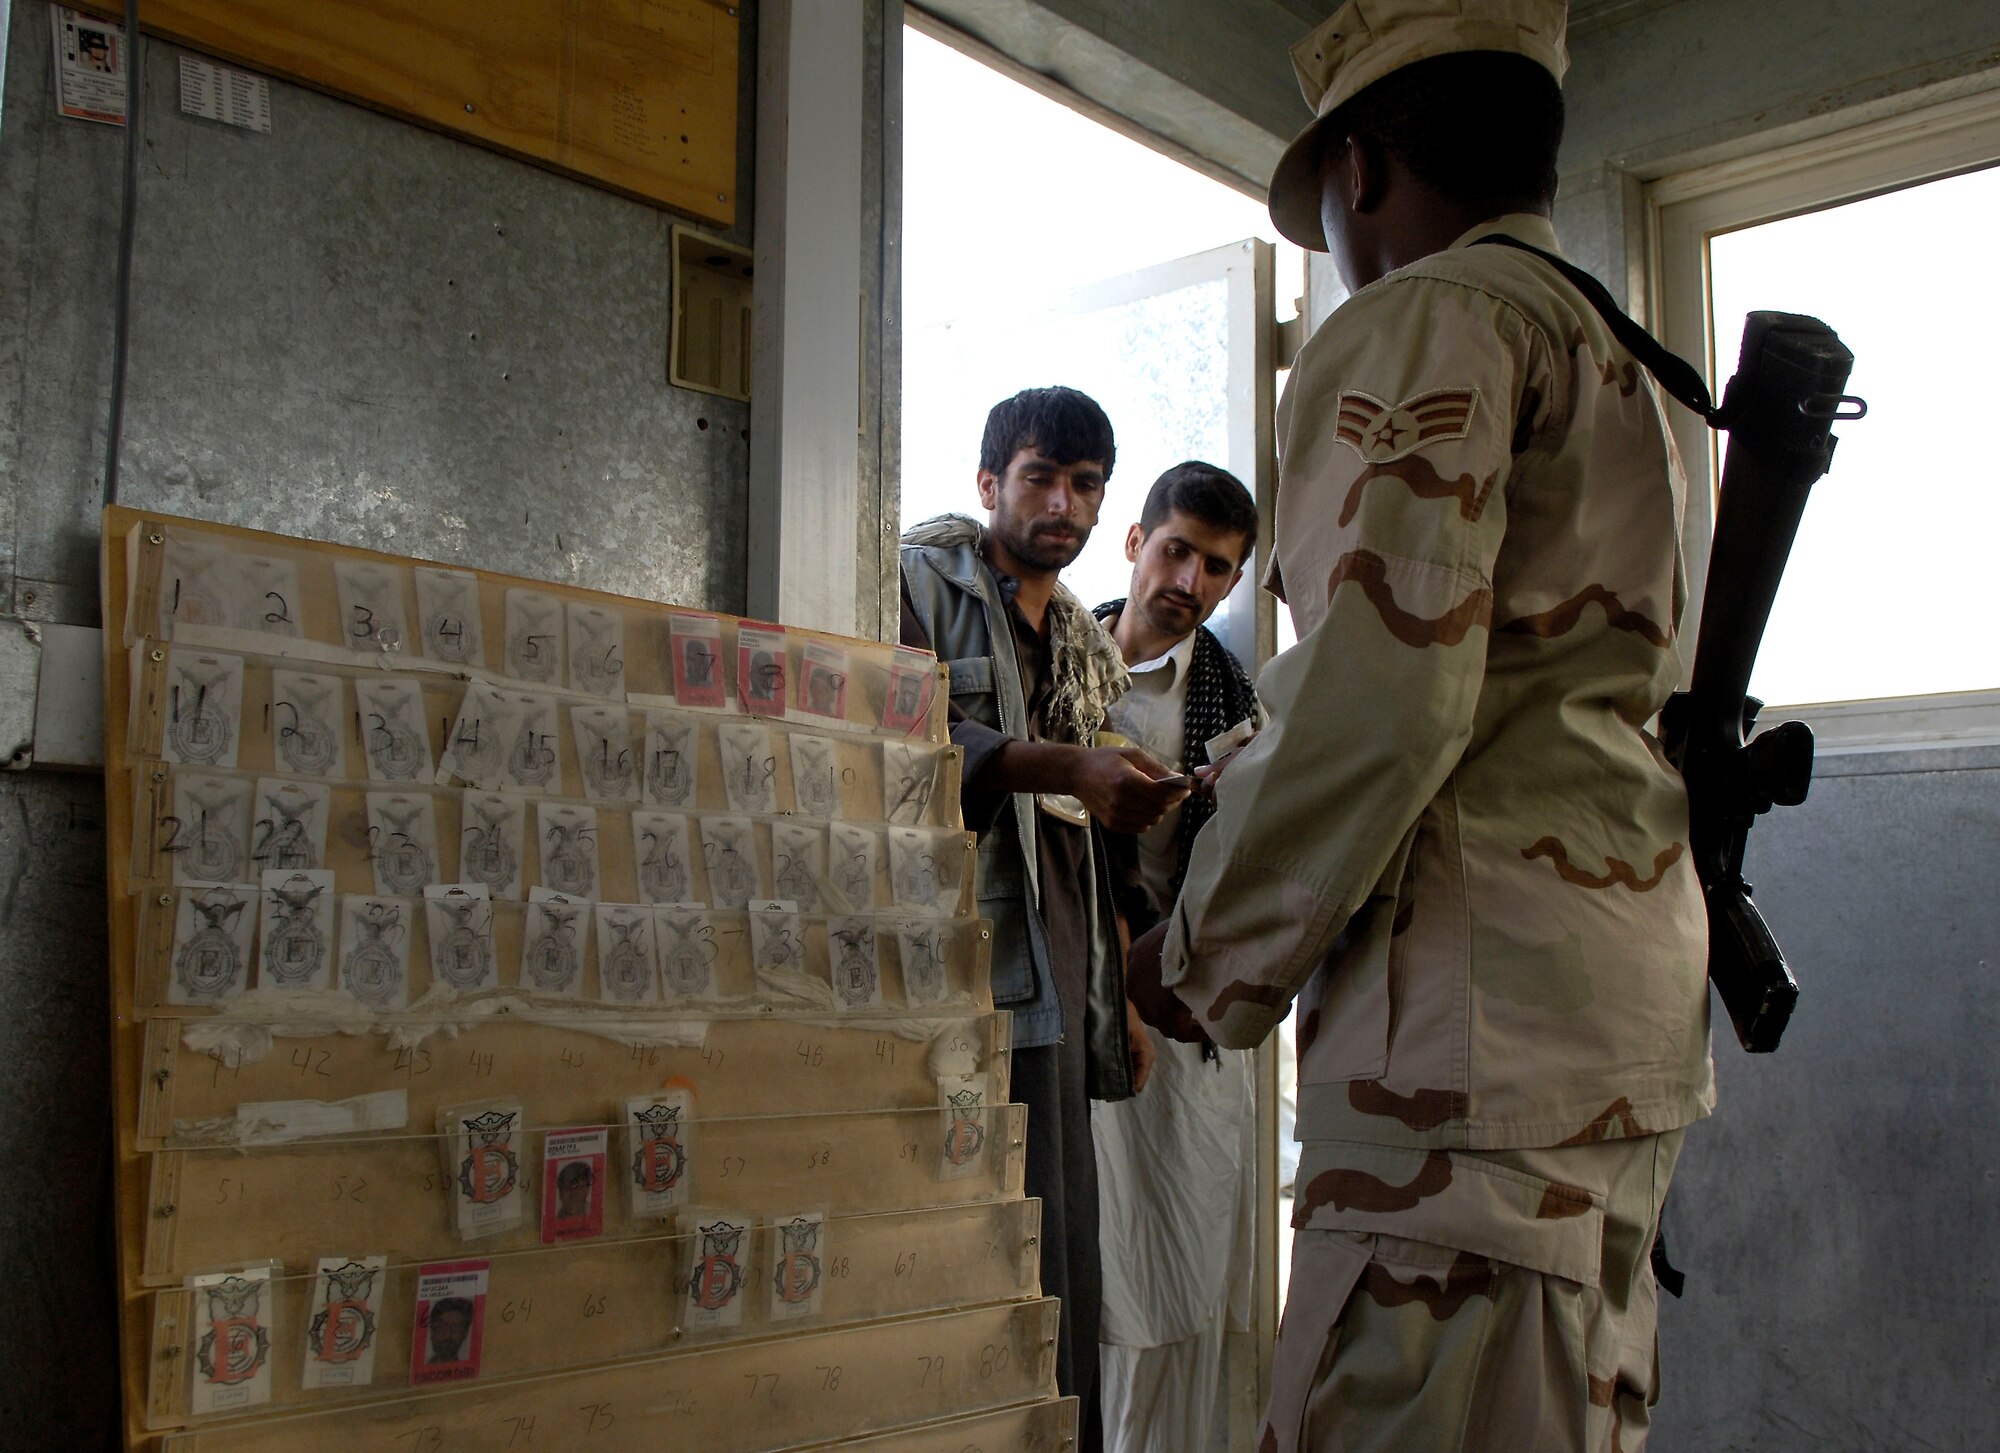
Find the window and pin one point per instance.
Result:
(1885, 234)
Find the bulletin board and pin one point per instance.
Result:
(636, 95)
(545, 1016)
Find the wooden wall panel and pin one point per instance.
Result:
(637, 95)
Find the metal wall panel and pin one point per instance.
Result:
(352, 329)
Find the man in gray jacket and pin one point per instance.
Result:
(1031, 675)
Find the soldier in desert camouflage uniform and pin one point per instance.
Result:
(1457, 844)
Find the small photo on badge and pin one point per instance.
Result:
(447, 1335)
(696, 644)
(573, 1184)
(760, 668)
(912, 683)
(823, 681)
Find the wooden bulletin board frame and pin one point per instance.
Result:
(638, 96)
(880, 1113)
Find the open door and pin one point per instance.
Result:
(1183, 357)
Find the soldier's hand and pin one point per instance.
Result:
(1124, 788)
(1155, 1003)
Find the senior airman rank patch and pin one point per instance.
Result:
(1380, 432)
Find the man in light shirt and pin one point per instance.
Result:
(1172, 1164)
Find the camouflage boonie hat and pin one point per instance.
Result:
(1364, 41)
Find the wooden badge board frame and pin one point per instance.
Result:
(321, 1166)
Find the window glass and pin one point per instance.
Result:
(1889, 591)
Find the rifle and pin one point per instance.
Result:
(1778, 410)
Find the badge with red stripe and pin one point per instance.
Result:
(1380, 432)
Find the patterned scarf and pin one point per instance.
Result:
(1219, 695)
(1087, 673)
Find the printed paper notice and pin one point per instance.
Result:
(216, 93)
(90, 67)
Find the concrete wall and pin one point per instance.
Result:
(1839, 1216)
(352, 329)
(1658, 86)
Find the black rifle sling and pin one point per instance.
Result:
(1675, 374)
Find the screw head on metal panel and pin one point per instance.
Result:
(166, 900)
(27, 597)
(155, 539)
(159, 655)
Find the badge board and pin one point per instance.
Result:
(534, 1008)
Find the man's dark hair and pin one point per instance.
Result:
(451, 1306)
(576, 1173)
(1214, 496)
(1480, 127)
(1062, 423)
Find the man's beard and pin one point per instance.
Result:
(1043, 546)
(1170, 615)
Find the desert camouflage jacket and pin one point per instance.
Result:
(1457, 843)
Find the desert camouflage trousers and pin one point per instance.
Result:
(1471, 1301)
